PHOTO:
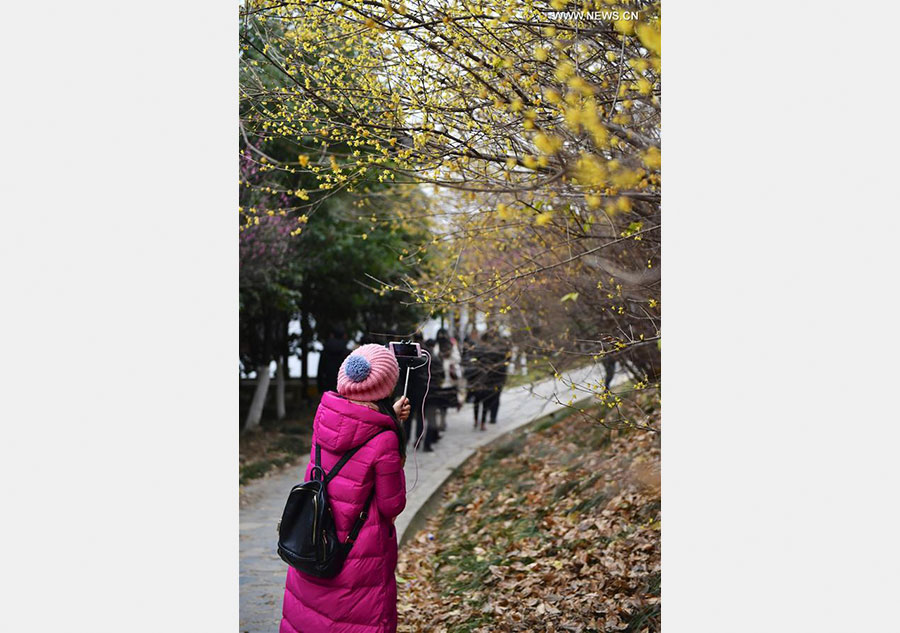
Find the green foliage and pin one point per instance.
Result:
(339, 265)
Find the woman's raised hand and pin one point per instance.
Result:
(402, 408)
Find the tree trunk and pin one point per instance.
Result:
(279, 388)
(259, 398)
(451, 323)
(305, 338)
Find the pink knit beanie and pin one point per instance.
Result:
(368, 374)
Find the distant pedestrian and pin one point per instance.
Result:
(362, 598)
(476, 377)
(434, 400)
(498, 364)
(609, 371)
(468, 344)
(418, 382)
(446, 380)
(489, 358)
(475, 392)
(334, 351)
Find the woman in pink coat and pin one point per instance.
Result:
(362, 598)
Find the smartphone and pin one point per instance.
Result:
(406, 350)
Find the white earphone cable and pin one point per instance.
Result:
(424, 421)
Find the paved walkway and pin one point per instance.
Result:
(262, 572)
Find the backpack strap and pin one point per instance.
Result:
(346, 457)
(317, 471)
(357, 525)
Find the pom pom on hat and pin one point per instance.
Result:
(368, 374)
(357, 368)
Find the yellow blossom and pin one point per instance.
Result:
(548, 144)
(543, 218)
(564, 71)
(639, 64)
(589, 170)
(625, 27)
(653, 158)
(650, 37)
(593, 201)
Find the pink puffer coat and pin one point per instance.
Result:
(362, 598)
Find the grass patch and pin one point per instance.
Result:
(596, 501)
(535, 374)
(599, 437)
(274, 446)
(257, 469)
(649, 615)
(565, 488)
(542, 370)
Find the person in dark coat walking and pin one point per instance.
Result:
(418, 382)
(468, 344)
(486, 375)
(609, 370)
(334, 351)
(495, 360)
(446, 380)
(434, 401)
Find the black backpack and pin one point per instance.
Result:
(307, 537)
